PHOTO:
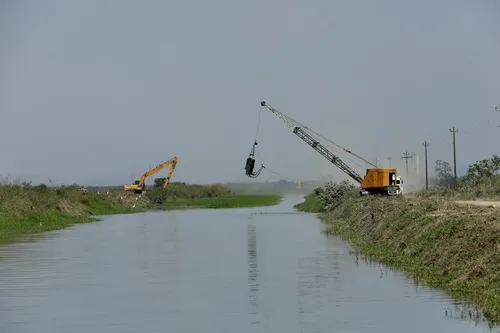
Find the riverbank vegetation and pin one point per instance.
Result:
(25, 208)
(428, 235)
(228, 201)
(280, 187)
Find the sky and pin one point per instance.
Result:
(97, 92)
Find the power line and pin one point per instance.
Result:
(454, 130)
(497, 109)
(406, 156)
(426, 144)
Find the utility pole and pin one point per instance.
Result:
(376, 162)
(426, 144)
(454, 130)
(389, 158)
(406, 156)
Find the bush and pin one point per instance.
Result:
(159, 195)
(333, 194)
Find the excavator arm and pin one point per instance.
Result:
(170, 172)
(138, 188)
(315, 144)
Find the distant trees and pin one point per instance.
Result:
(485, 168)
(443, 172)
(482, 178)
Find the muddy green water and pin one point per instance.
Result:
(215, 271)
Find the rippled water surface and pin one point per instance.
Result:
(215, 271)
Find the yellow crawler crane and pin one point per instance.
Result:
(384, 181)
(139, 185)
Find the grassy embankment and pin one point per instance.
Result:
(311, 204)
(233, 201)
(28, 209)
(429, 236)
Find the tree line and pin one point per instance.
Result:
(481, 171)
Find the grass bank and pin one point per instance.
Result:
(228, 201)
(28, 209)
(440, 244)
(311, 204)
(428, 236)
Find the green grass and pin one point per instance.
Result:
(12, 226)
(230, 201)
(30, 209)
(99, 205)
(311, 204)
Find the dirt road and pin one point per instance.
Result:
(495, 204)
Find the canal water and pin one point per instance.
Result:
(236, 270)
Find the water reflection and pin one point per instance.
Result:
(253, 274)
(204, 271)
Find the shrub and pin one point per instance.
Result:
(333, 194)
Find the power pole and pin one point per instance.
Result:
(389, 158)
(454, 130)
(376, 162)
(406, 156)
(426, 144)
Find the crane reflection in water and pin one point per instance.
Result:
(253, 273)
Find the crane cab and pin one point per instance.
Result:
(381, 181)
(399, 183)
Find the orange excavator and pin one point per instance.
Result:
(139, 185)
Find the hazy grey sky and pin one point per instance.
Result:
(96, 91)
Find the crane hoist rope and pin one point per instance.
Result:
(250, 162)
(292, 123)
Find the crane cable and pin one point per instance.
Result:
(280, 175)
(330, 141)
(251, 160)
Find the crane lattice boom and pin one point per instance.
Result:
(315, 144)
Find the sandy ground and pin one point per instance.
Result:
(495, 204)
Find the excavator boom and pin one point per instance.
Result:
(170, 172)
(139, 186)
